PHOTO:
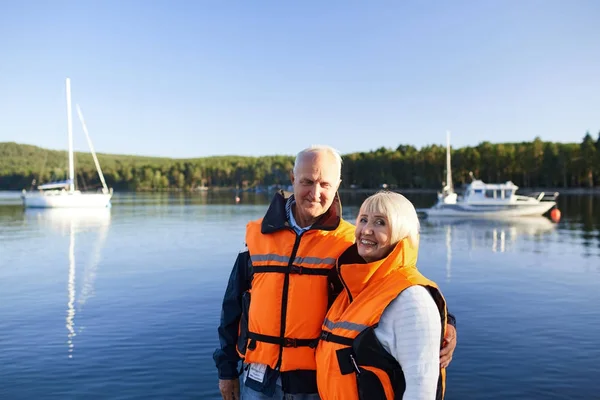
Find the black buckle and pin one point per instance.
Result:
(295, 269)
(325, 335)
(252, 344)
(289, 342)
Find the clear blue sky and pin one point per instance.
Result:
(198, 78)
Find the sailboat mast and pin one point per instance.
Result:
(70, 130)
(448, 170)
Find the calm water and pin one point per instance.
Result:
(124, 304)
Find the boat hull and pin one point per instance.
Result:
(66, 200)
(490, 211)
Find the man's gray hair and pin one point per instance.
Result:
(318, 148)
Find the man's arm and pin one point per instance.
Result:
(226, 357)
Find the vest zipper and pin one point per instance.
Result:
(284, 297)
(355, 365)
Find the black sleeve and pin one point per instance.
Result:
(334, 285)
(452, 320)
(226, 357)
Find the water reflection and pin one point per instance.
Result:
(71, 290)
(224, 196)
(448, 252)
(499, 236)
(77, 221)
(496, 235)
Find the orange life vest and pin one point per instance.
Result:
(289, 295)
(351, 362)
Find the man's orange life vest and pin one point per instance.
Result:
(288, 299)
(351, 362)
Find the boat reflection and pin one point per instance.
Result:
(499, 236)
(494, 234)
(72, 222)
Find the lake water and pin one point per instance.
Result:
(124, 304)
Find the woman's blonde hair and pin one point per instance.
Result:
(400, 213)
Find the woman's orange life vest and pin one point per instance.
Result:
(289, 295)
(351, 362)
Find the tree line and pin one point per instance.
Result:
(527, 164)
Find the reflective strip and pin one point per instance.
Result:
(351, 326)
(269, 257)
(299, 260)
(314, 260)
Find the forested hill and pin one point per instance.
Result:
(527, 164)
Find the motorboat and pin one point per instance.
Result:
(487, 200)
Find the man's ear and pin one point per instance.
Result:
(292, 176)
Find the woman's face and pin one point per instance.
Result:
(373, 236)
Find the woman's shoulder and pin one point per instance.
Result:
(413, 300)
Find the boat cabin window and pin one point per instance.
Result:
(508, 193)
(478, 191)
(498, 193)
(489, 193)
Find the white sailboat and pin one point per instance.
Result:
(486, 200)
(64, 194)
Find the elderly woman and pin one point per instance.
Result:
(382, 336)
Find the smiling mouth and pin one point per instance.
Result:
(367, 242)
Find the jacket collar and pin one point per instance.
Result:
(356, 273)
(276, 218)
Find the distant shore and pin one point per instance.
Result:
(524, 190)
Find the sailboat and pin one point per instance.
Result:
(448, 195)
(64, 194)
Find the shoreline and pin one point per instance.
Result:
(522, 190)
(595, 190)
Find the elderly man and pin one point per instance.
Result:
(281, 284)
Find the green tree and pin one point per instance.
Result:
(588, 158)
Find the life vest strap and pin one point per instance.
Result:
(293, 269)
(330, 337)
(284, 342)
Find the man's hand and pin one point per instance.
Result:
(230, 389)
(449, 346)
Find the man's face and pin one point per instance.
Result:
(316, 180)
